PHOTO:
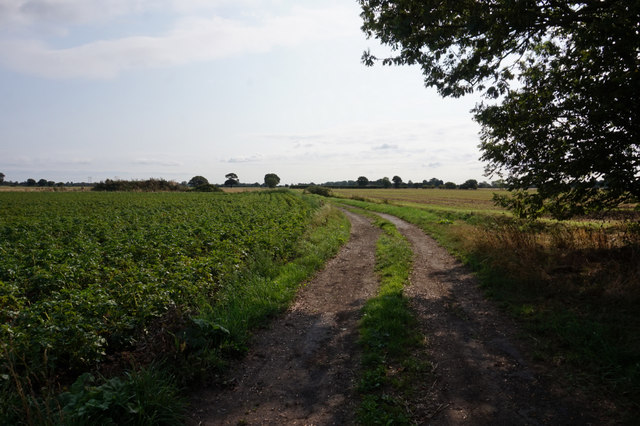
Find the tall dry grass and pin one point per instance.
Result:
(596, 260)
(576, 290)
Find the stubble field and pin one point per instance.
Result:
(471, 200)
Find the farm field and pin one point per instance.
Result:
(94, 285)
(85, 277)
(467, 200)
(7, 188)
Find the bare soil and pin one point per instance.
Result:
(303, 368)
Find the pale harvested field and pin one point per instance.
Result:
(475, 200)
(4, 188)
(243, 189)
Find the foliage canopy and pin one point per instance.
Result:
(561, 80)
(271, 180)
(232, 179)
(197, 181)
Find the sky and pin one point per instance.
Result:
(134, 89)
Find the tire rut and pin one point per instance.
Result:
(482, 378)
(302, 369)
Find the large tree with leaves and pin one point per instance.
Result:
(198, 181)
(362, 181)
(271, 180)
(232, 179)
(561, 82)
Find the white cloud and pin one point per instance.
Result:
(62, 13)
(432, 165)
(445, 148)
(385, 146)
(157, 162)
(248, 159)
(65, 13)
(28, 161)
(192, 39)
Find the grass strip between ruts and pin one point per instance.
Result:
(389, 337)
(572, 288)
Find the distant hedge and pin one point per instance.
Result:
(149, 185)
(319, 190)
(207, 187)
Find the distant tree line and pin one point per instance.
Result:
(271, 180)
(397, 182)
(149, 185)
(39, 183)
(197, 183)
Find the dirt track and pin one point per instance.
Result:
(302, 370)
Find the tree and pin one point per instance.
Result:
(42, 182)
(197, 181)
(31, 182)
(470, 184)
(386, 183)
(1, 178)
(271, 180)
(435, 182)
(450, 185)
(567, 123)
(232, 179)
(362, 181)
(397, 180)
(498, 183)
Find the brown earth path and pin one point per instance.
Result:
(303, 368)
(482, 377)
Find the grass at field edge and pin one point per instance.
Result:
(573, 289)
(393, 362)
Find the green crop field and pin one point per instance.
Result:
(83, 275)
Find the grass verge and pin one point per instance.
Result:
(257, 293)
(574, 288)
(389, 336)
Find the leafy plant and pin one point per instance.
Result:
(145, 397)
(85, 276)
